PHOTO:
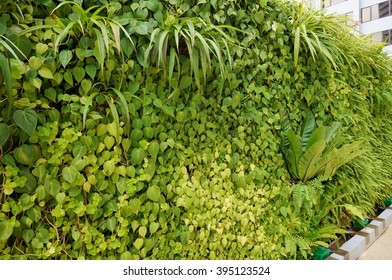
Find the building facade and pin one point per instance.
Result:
(369, 16)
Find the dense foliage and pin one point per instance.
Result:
(156, 129)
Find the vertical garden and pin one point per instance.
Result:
(169, 129)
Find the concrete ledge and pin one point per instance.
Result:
(354, 248)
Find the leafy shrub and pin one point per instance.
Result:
(104, 156)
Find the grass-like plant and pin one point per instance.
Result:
(105, 30)
(329, 38)
(191, 37)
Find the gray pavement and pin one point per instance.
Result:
(381, 249)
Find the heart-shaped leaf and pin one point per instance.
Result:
(154, 193)
(4, 134)
(45, 72)
(24, 154)
(79, 73)
(65, 57)
(69, 174)
(138, 243)
(52, 187)
(153, 227)
(5, 231)
(26, 119)
(137, 156)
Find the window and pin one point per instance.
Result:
(383, 36)
(366, 14)
(328, 3)
(377, 11)
(349, 18)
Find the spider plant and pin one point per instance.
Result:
(329, 38)
(191, 37)
(105, 30)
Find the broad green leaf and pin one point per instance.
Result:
(154, 193)
(108, 167)
(294, 153)
(21, 45)
(65, 57)
(68, 78)
(26, 119)
(137, 156)
(79, 163)
(69, 173)
(52, 187)
(109, 141)
(142, 231)
(34, 214)
(41, 48)
(60, 197)
(138, 243)
(111, 224)
(153, 149)
(4, 134)
(78, 73)
(86, 85)
(134, 205)
(307, 164)
(153, 227)
(185, 82)
(91, 70)
(6, 230)
(28, 235)
(307, 128)
(45, 72)
(24, 154)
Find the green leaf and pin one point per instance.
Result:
(52, 187)
(135, 205)
(154, 193)
(307, 164)
(5, 75)
(142, 231)
(34, 214)
(185, 82)
(21, 45)
(41, 48)
(78, 73)
(153, 149)
(28, 235)
(4, 134)
(153, 227)
(45, 73)
(294, 153)
(137, 156)
(308, 128)
(108, 167)
(60, 197)
(24, 154)
(5, 231)
(138, 243)
(111, 224)
(91, 70)
(86, 85)
(65, 57)
(69, 173)
(26, 119)
(68, 78)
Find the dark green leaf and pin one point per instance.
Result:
(26, 119)
(4, 133)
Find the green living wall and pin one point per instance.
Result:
(158, 129)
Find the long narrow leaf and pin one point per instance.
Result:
(6, 72)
